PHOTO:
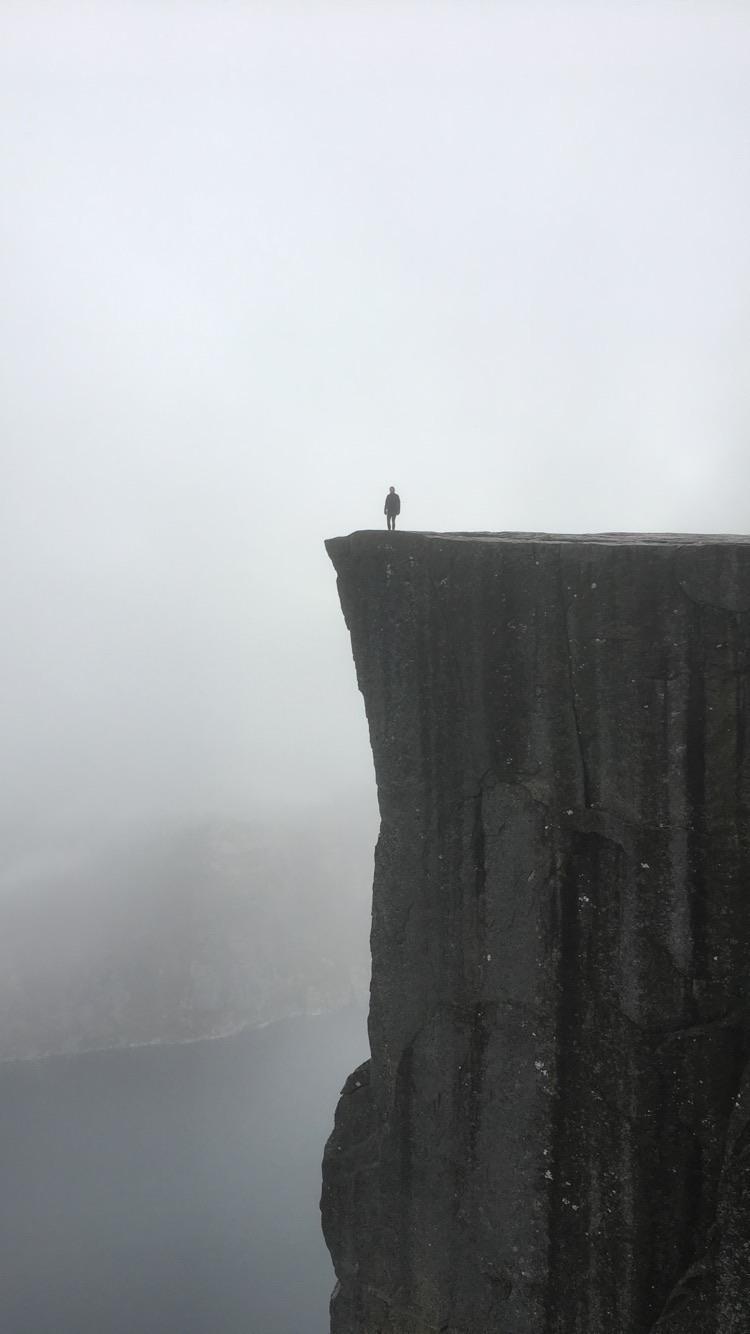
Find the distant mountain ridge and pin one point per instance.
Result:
(182, 931)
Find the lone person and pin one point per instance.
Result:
(392, 507)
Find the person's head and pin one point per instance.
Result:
(393, 489)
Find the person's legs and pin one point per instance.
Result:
(391, 521)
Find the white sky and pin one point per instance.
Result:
(258, 262)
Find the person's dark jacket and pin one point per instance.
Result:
(392, 503)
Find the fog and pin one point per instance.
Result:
(260, 262)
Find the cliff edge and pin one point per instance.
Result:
(553, 1133)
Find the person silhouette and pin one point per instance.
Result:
(392, 507)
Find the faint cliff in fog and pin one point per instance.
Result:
(180, 932)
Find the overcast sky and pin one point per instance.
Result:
(260, 261)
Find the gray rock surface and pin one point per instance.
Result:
(553, 1133)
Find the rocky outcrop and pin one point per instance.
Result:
(553, 1133)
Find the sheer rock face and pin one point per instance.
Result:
(553, 1133)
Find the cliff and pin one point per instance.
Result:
(553, 1133)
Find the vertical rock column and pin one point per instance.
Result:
(553, 1133)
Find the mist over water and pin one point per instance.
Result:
(172, 1190)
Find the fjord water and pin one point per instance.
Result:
(172, 1189)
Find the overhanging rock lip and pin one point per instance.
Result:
(404, 536)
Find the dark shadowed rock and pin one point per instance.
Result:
(553, 1133)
